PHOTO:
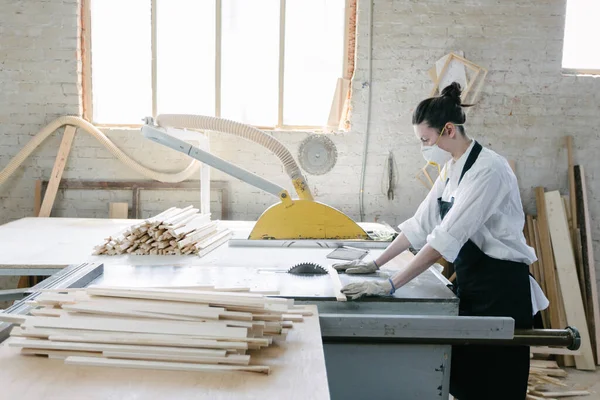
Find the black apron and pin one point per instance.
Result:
(488, 286)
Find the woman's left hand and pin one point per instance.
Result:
(357, 290)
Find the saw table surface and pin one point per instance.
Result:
(297, 372)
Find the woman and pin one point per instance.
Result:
(473, 218)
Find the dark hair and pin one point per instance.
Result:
(438, 111)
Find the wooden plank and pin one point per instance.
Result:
(229, 300)
(118, 210)
(162, 365)
(530, 239)
(543, 364)
(57, 170)
(230, 303)
(151, 340)
(578, 252)
(548, 371)
(548, 261)
(59, 354)
(569, 393)
(47, 312)
(100, 347)
(336, 284)
(174, 308)
(567, 275)
(545, 313)
(589, 265)
(235, 359)
(183, 295)
(554, 351)
(94, 310)
(112, 324)
(532, 397)
(144, 338)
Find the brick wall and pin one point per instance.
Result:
(526, 108)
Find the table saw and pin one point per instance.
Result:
(394, 347)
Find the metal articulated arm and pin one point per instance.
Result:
(158, 135)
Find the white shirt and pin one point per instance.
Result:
(487, 209)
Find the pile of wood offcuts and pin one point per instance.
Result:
(544, 377)
(176, 231)
(166, 329)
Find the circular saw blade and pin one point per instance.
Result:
(307, 268)
(317, 154)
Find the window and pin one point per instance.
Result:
(581, 52)
(268, 63)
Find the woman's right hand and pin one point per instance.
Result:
(357, 267)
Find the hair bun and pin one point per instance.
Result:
(453, 91)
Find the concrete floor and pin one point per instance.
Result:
(584, 380)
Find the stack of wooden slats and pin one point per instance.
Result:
(561, 237)
(176, 231)
(174, 329)
(545, 373)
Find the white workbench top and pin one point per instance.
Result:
(43, 243)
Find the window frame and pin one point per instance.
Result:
(580, 72)
(86, 63)
(594, 72)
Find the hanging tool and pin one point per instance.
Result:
(390, 192)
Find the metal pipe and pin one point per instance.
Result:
(568, 337)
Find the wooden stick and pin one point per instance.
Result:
(543, 364)
(549, 371)
(569, 393)
(212, 329)
(45, 333)
(57, 171)
(572, 197)
(479, 86)
(441, 75)
(337, 284)
(235, 359)
(470, 86)
(149, 340)
(75, 346)
(37, 198)
(172, 366)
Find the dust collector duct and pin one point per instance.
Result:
(201, 122)
(78, 122)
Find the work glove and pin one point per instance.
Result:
(357, 267)
(357, 290)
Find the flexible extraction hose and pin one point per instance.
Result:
(78, 122)
(201, 122)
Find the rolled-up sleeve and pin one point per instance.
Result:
(425, 219)
(477, 200)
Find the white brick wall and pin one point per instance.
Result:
(527, 107)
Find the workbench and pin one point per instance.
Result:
(294, 362)
(366, 343)
(54, 243)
